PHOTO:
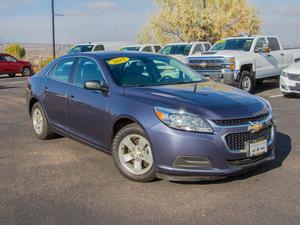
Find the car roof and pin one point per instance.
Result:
(112, 54)
(140, 45)
(188, 43)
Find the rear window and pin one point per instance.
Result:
(82, 48)
(274, 44)
(132, 48)
(176, 50)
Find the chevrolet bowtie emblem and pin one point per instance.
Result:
(255, 127)
(202, 64)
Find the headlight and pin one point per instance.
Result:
(230, 64)
(284, 74)
(182, 121)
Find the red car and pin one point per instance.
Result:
(11, 66)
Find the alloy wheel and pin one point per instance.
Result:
(135, 154)
(37, 119)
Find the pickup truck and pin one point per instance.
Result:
(244, 61)
(182, 50)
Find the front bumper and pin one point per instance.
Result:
(226, 76)
(168, 144)
(289, 86)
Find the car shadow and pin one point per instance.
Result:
(282, 150)
(266, 85)
(2, 87)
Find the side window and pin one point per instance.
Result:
(147, 49)
(1, 58)
(260, 43)
(62, 70)
(157, 48)
(274, 44)
(9, 58)
(87, 70)
(198, 48)
(99, 48)
(207, 47)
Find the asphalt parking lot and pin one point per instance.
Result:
(61, 181)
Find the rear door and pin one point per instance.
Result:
(86, 109)
(54, 88)
(276, 56)
(263, 62)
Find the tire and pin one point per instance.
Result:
(287, 95)
(136, 161)
(12, 74)
(39, 122)
(26, 71)
(246, 82)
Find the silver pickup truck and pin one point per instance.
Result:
(244, 61)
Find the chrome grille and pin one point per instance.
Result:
(295, 77)
(243, 121)
(236, 141)
(211, 64)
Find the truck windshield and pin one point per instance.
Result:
(150, 71)
(131, 48)
(81, 48)
(242, 44)
(176, 50)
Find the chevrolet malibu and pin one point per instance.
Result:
(156, 117)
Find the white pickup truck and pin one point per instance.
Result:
(182, 50)
(244, 61)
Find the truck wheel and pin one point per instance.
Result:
(246, 82)
(12, 74)
(26, 71)
(132, 154)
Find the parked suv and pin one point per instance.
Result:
(290, 80)
(11, 66)
(155, 115)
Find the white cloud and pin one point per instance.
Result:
(101, 5)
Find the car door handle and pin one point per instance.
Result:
(45, 89)
(282, 53)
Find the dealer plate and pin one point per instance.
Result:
(258, 148)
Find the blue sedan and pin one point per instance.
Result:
(154, 115)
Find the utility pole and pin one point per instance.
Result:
(53, 30)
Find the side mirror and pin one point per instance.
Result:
(96, 85)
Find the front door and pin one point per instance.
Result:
(55, 87)
(86, 109)
(11, 64)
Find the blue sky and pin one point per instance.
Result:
(117, 20)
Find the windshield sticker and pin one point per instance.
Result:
(117, 61)
(221, 41)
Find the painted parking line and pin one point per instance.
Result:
(276, 96)
(16, 82)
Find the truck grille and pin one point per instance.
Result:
(236, 141)
(242, 121)
(214, 64)
(295, 77)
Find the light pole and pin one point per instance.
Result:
(53, 28)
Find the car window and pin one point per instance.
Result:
(180, 49)
(82, 48)
(1, 58)
(62, 70)
(87, 70)
(274, 44)
(198, 48)
(99, 48)
(157, 48)
(9, 58)
(260, 43)
(207, 47)
(147, 49)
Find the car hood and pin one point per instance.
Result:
(224, 53)
(208, 99)
(293, 69)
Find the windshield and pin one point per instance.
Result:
(81, 48)
(132, 48)
(176, 50)
(150, 71)
(233, 44)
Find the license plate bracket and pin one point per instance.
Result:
(257, 148)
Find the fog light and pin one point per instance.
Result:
(190, 162)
